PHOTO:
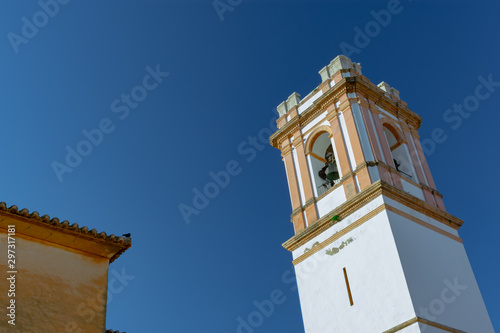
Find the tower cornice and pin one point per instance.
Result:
(361, 199)
(347, 85)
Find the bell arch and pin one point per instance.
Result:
(315, 134)
(398, 148)
(322, 159)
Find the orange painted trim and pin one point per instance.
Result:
(350, 188)
(293, 112)
(353, 136)
(298, 223)
(439, 202)
(364, 178)
(413, 155)
(425, 166)
(423, 223)
(325, 86)
(429, 198)
(383, 141)
(397, 144)
(304, 172)
(311, 214)
(292, 178)
(372, 136)
(317, 157)
(396, 179)
(385, 174)
(281, 122)
(315, 134)
(337, 76)
(340, 146)
(415, 320)
(392, 126)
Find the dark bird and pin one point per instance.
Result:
(126, 235)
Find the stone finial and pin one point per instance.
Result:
(391, 92)
(292, 100)
(324, 73)
(395, 93)
(357, 67)
(385, 87)
(282, 109)
(340, 62)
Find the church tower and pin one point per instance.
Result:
(374, 248)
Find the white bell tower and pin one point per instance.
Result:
(374, 248)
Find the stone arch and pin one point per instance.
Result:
(321, 158)
(398, 147)
(311, 139)
(392, 126)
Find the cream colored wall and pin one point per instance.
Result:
(57, 289)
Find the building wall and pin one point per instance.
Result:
(381, 299)
(398, 268)
(331, 201)
(58, 290)
(439, 276)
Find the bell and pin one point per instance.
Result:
(332, 172)
(322, 173)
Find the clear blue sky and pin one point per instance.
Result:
(225, 78)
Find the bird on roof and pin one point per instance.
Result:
(126, 235)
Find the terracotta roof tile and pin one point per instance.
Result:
(123, 242)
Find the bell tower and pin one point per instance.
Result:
(374, 248)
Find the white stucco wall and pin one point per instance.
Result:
(380, 294)
(412, 189)
(309, 102)
(331, 201)
(346, 221)
(318, 121)
(432, 262)
(397, 270)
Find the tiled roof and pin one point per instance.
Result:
(123, 242)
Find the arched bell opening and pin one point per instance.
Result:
(399, 152)
(325, 172)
